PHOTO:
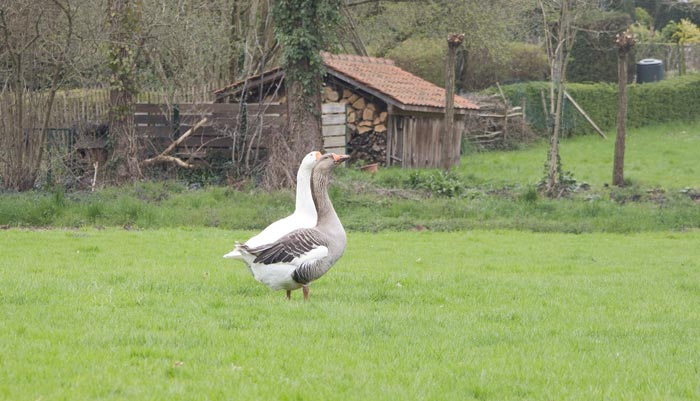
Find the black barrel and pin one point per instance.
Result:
(650, 70)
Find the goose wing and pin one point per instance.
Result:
(300, 247)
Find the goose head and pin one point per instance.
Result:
(308, 162)
(329, 161)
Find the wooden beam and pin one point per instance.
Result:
(583, 113)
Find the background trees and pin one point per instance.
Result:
(162, 47)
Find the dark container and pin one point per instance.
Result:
(650, 70)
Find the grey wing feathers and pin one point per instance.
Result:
(287, 248)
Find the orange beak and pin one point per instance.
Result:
(340, 158)
(318, 155)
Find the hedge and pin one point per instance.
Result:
(673, 99)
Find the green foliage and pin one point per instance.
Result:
(475, 70)
(643, 18)
(665, 12)
(439, 183)
(304, 28)
(527, 63)
(669, 100)
(594, 54)
(423, 57)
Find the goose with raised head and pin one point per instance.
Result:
(304, 215)
(303, 255)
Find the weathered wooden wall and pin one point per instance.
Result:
(334, 127)
(225, 130)
(414, 140)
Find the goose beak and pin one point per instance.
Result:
(318, 155)
(340, 158)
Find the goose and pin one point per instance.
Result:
(304, 215)
(305, 254)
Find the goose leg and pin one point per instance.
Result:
(289, 294)
(305, 290)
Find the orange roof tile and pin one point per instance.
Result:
(384, 76)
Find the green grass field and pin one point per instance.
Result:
(475, 315)
(663, 156)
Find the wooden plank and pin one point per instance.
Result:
(203, 130)
(338, 151)
(333, 130)
(271, 108)
(155, 132)
(333, 108)
(151, 108)
(333, 141)
(333, 119)
(151, 119)
(196, 142)
(583, 113)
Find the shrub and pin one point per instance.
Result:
(594, 55)
(422, 57)
(476, 69)
(673, 99)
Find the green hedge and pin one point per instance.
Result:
(673, 99)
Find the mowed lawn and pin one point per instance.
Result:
(488, 315)
(662, 156)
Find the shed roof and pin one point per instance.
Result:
(388, 80)
(378, 76)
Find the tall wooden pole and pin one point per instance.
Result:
(450, 147)
(625, 42)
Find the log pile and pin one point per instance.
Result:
(366, 123)
(498, 125)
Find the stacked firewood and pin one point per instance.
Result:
(366, 123)
(498, 125)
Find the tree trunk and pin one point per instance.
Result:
(304, 118)
(450, 148)
(235, 39)
(625, 42)
(123, 21)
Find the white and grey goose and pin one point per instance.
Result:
(304, 215)
(303, 255)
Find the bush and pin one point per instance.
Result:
(594, 55)
(422, 57)
(527, 63)
(475, 69)
(673, 99)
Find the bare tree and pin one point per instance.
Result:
(625, 41)
(559, 22)
(34, 32)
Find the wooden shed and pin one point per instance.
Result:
(392, 117)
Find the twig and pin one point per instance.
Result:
(94, 177)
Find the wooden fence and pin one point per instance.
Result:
(240, 131)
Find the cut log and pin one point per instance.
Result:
(363, 129)
(383, 116)
(353, 98)
(330, 94)
(380, 128)
(368, 113)
(359, 104)
(351, 116)
(347, 93)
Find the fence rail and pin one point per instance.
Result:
(241, 131)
